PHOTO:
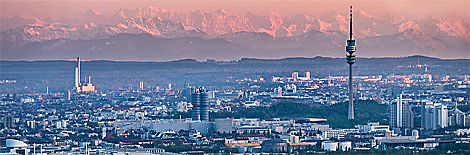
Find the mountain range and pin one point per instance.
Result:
(155, 34)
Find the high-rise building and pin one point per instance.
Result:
(9, 121)
(457, 118)
(67, 95)
(434, 115)
(351, 59)
(187, 92)
(440, 116)
(426, 114)
(200, 101)
(401, 115)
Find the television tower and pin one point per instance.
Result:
(351, 59)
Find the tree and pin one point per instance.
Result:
(157, 143)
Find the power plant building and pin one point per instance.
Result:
(79, 88)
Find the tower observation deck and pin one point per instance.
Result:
(351, 59)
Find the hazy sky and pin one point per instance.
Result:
(414, 9)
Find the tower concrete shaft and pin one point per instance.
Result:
(351, 59)
(351, 95)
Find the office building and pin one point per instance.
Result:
(187, 92)
(401, 115)
(200, 101)
(433, 115)
(9, 121)
(426, 114)
(457, 118)
(441, 116)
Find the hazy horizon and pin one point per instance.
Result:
(254, 58)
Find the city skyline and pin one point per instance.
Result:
(253, 104)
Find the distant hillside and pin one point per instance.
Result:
(146, 47)
(35, 76)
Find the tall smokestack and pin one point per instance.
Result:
(78, 66)
(77, 79)
(351, 59)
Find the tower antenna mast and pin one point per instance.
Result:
(351, 59)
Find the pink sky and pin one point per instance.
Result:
(414, 9)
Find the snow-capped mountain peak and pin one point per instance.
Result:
(364, 14)
(222, 12)
(438, 33)
(22, 16)
(19, 20)
(92, 13)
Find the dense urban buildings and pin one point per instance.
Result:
(418, 111)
